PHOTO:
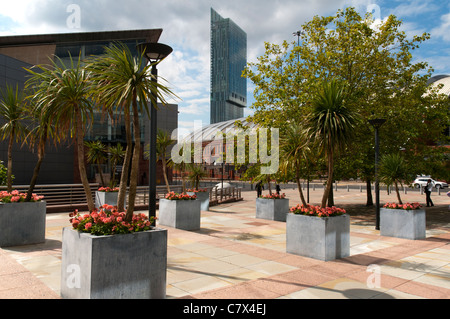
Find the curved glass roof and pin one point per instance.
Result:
(208, 132)
(441, 79)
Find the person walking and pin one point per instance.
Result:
(278, 189)
(259, 189)
(428, 189)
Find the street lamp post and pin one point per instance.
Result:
(154, 52)
(376, 123)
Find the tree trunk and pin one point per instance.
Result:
(369, 193)
(331, 197)
(10, 162)
(164, 167)
(329, 180)
(398, 193)
(81, 166)
(135, 162)
(126, 164)
(99, 168)
(41, 152)
(300, 191)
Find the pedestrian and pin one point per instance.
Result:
(428, 189)
(259, 189)
(278, 189)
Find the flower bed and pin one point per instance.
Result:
(176, 196)
(274, 196)
(407, 206)
(311, 210)
(17, 197)
(108, 189)
(109, 221)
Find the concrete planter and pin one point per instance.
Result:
(128, 266)
(181, 214)
(409, 224)
(102, 198)
(22, 223)
(203, 197)
(272, 209)
(323, 238)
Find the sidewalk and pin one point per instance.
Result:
(237, 256)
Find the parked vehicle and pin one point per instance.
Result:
(422, 181)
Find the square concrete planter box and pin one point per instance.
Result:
(181, 214)
(22, 223)
(272, 209)
(323, 238)
(408, 224)
(203, 197)
(126, 266)
(102, 198)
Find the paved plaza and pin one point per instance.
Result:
(236, 256)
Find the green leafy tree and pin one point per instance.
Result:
(12, 111)
(383, 79)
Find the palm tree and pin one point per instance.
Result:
(163, 142)
(116, 154)
(195, 175)
(97, 154)
(12, 112)
(393, 170)
(123, 83)
(331, 125)
(38, 136)
(294, 148)
(62, 94)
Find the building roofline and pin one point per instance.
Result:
(150, 35)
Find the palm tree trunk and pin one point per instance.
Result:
(99, 168)
(126, 164)
(9, 171)
(81, 166)
(135, 162)
(398, 193)
(297, 178)
(164, 167)
(329, 180)
(41, 151)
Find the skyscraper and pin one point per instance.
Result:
(228, 60)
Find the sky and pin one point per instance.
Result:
(186, 28)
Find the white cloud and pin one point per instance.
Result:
(443, 30)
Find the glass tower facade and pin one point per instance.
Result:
(228, 60)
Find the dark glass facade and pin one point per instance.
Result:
(228, 60)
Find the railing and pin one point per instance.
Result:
(71, 196)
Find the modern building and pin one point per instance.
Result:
(60, 164)
(228, 60)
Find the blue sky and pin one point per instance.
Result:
(186, 27)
